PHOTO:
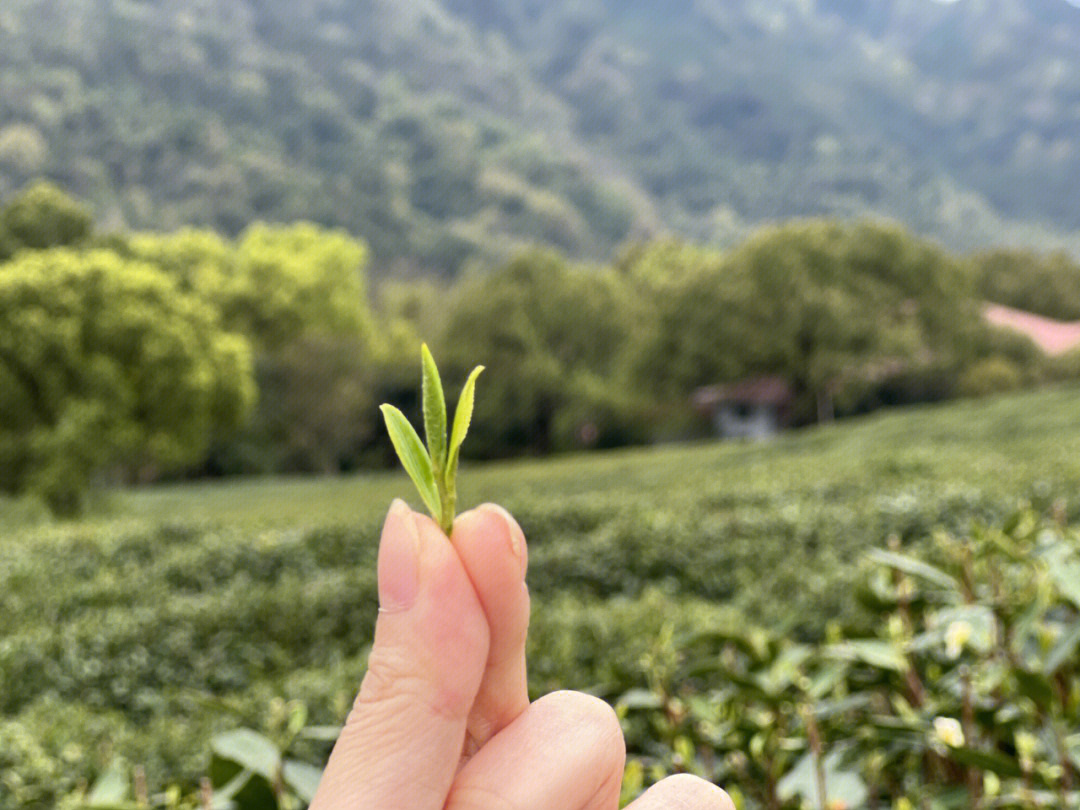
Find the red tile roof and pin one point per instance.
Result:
(1053, 337)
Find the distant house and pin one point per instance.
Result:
(754, 408)
(1053, 337)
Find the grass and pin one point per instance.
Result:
(1003, 447)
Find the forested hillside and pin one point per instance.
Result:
(446, 130)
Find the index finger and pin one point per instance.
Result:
(492, 548)
(402, 742)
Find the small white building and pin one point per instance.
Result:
(755, 408)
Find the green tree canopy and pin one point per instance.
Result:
(1047, 284)
(42, 216)
(688, 316)
(834, 301)
(274, 283)
(818, 302)
(299, 293)
(550, 336)
(106, 362)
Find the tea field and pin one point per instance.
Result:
(673, 581)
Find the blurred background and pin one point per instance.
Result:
(815, 265)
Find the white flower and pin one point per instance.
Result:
(947, 730)
(956, 636)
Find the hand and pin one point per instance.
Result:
(443, 719)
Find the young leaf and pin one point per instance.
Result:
(462, 418)
(434, 411)
(413, 457)
(434, 470)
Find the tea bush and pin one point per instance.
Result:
(130, 641)
(957, 687)
(960, 687)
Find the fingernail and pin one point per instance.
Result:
(399, 559)
(514, 536)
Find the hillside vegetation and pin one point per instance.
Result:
(193, 609)
(199, 354)
(447, 130)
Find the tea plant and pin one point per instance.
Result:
(137, 629)
(434, 469)
(961, 688)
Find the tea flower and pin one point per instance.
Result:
(948, 731)
(956, 636)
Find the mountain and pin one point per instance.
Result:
(445, 131)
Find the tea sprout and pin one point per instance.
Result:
(433, 469)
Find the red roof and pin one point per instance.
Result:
(755, 391)
(1053, 337)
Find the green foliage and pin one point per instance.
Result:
(828, 300)
(852, 315)
(353, 117)
(990, 376)
(104, 362)
(274, 283)
(450, 131)
(42, 216)
(959, 686)
(832, 307)
(300, 295)
(434, 469)
(196, 609)
(552, 338)
(1048, 284)
(690, 330)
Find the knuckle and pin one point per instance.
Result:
(476, 796)
(687, 792)
(591, 717)
(390, 682)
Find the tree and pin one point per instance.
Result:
(274, 283)
(299, 294)
(551, 337)
(820, 303)
(815, 318)
(295, 280)
(1048, 284)
(40, 217)
(688, 319)
(317, 410)
(106, 363)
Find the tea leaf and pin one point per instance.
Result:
(1063, 650)
(434, 469)
(248, 749)
(413, 457)
(434, 410)
(1067, 578)
(302, 778)
(879, 654)
(462, 420)
(993, 761)
(915, 568)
